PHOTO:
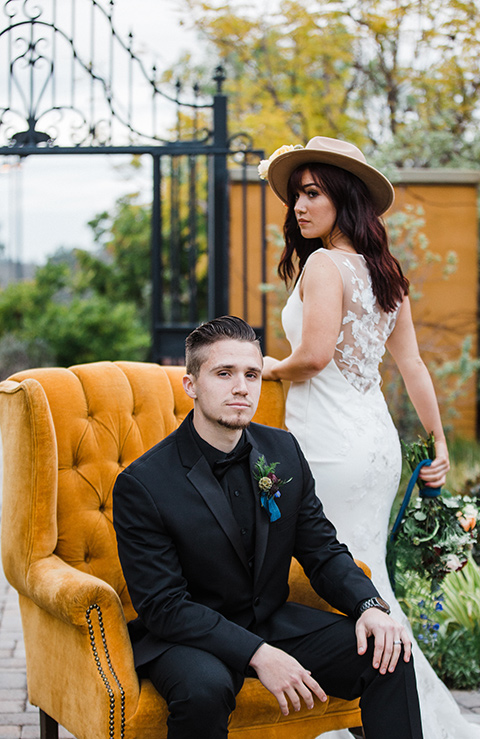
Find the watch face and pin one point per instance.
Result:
(383, 604)
(375, 602)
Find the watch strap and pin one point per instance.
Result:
(373, 603)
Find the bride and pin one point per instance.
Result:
(349, 302)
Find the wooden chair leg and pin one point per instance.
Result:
(48, 726)
(357, 732)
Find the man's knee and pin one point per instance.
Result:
(197, 686)
(211, 695)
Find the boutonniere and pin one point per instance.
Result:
(268, 486)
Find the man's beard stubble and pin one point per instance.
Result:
(233, 425)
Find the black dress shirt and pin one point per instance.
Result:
(236, 482)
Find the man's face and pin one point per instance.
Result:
(227, 389)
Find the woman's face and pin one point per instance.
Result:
(314, 211)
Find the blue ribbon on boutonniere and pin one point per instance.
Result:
(268, 486)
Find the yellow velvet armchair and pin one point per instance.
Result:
(66, 434)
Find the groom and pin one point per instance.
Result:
(206, 528)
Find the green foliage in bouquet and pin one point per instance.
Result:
(417, 452)
(436, 534)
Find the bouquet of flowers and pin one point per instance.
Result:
(432, 535)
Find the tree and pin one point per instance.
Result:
(400, 78)
(418, 77)
(83, 306)
(120, 270)
(286, 77)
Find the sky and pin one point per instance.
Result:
(46, 202)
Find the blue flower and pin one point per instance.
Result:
(438, 607)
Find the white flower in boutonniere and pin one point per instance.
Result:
(269, 486)
(265, 163)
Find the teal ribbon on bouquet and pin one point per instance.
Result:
(424, 492)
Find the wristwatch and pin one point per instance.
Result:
(374, 602)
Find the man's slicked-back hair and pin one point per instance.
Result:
(218, 329)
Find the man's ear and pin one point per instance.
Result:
(189, 386)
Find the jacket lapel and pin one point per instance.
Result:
(204, 481)
(262, 521)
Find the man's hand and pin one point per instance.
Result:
(388, 638)
(285, 678)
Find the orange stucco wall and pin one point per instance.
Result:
(447, 310)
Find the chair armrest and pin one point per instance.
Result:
(302, 592)
(84, 642)
(67, 593)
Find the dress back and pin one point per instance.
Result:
(365, 326)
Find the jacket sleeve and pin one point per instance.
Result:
(327, 563)
(157, 587)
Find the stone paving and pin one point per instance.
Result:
(19, 720)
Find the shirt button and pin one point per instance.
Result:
(256, 602)
(236, 493)
(243, 531)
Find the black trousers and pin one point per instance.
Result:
(200, 689)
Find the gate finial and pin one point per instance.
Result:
(219, 77)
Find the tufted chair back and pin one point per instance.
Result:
(105, 415)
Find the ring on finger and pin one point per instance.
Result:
(398, 641)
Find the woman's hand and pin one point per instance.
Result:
(269, 364)
(434, 475)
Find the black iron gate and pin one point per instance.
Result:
(67, 92)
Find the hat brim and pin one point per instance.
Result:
(282, 167)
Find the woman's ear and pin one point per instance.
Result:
(189, 386)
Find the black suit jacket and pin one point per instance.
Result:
(185, 564)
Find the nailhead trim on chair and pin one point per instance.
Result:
(111, 720)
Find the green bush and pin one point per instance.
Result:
(455, 657)
(83, 307)
(88, 330)
(446, 624)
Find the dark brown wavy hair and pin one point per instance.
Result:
(201, 339)
(357, 220)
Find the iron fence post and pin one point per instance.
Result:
(218, 211)
(156, 257)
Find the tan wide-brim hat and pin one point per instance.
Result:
(329, 151)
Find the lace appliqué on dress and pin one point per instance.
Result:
(361, 344)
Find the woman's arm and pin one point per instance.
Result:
(403, 347)
(321, 291)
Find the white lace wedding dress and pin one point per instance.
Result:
(342, 423)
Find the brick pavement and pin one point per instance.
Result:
(19, 720)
